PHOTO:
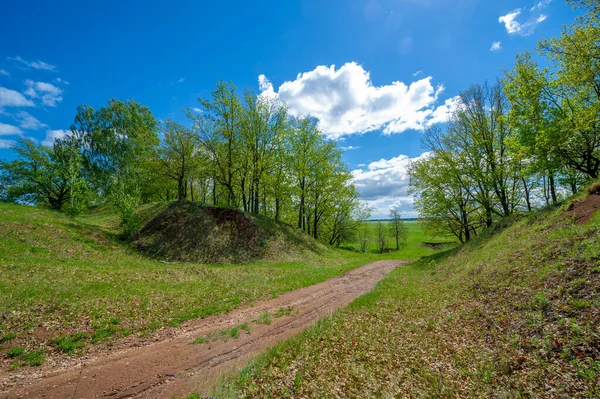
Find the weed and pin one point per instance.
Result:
(264, 318)
(15, 352)
(284, 311)
(540, 301)
(7, 337)
(33, 358)
(70, 343)
(223, 335)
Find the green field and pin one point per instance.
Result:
(67, 283)
(512, 314)
(412, 249)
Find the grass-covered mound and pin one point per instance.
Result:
(514, 313)
(190, 232)
(66, 283)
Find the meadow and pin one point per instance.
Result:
(514, 313)
(70, 282)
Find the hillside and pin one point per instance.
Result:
(513, 313)
(67, 283)
(190, 232)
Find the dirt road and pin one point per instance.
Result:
(174, 367)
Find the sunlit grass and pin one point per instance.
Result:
(512, 314)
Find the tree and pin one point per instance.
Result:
(263, 124)
(397, 228)
(443, 198)
(116, 141)
(42, 175)
(218, 129)
(381, 237)
(558, 106)
(176, 157)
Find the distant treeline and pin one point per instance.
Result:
(245, 153)
(519, 143)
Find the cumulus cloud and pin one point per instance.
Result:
(52, 135)
(527, 27)
(9, 130)
(12, 98)
(383, 185)
(29, 122)
(496, 46)
(40, 65)
(49, 94)
(346, 102)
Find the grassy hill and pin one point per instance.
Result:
(204, 234)
(514, 313)
(66, 283)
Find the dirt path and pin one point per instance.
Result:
(175, 367)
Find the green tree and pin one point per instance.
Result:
(176, 157)
(218, 128)
(41, 175)
(116, 140)
(397, 228)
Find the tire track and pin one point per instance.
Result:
(174, 367)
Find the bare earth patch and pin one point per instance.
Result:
(582, 210)
(174, 366)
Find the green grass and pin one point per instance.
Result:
(412, 249)
(70, 343)
(15, 352)
(264, 318)
(512, 314)
(7, 337)
(31, 358)
(73, 276)
(223, 335)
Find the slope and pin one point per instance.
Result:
(515, 313)
(67, 284)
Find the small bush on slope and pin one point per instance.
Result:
(511, 315)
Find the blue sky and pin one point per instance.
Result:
(374, 71)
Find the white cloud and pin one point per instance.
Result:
(350, 147)
(383, 185)
(540, 5)
(180, 80)
(6, 143)
(40, 65)
(12, 98)
(47, 92)
(52, 135)
(346, 102)
(29, 122)
(59, 80)
(4, 72)
(196, 110)
(8, 130)
(417, 73)
(514, 27)
(496, 46)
